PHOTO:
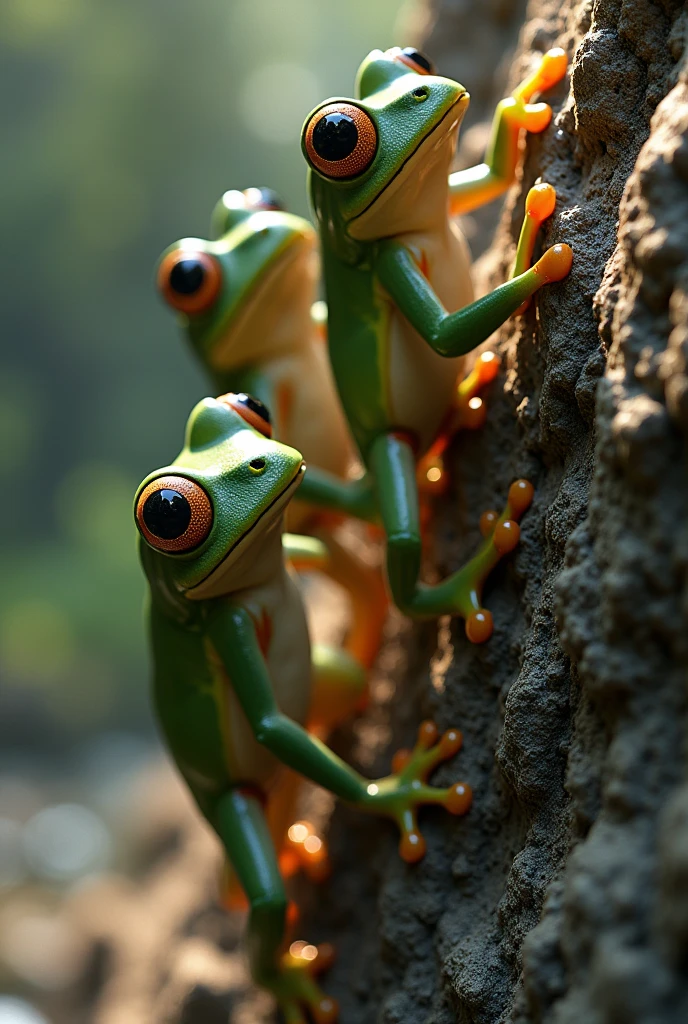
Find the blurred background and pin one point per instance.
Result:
(123, 124)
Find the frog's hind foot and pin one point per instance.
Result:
(305, 850)
(535, 117)
(298, 995)
(415, 766)
(502, 534)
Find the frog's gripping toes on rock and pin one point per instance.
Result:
(401, 314)
(236, 689)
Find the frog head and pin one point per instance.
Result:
(208, 519)
(379, 163)
(235, 293)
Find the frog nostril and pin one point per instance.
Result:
(421, 93)
(257, 465)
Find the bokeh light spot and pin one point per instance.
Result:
(18, 1011)
(66, 842)
(275, 100)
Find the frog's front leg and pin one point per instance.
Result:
(475, 186)
(460, 594)
(233, 636)
(455, 334)
(351, 497)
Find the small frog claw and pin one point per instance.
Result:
(414, 767)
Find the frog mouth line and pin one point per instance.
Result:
(243, 542)
(428, 134)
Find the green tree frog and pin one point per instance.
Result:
(241, 698)
(401, 314)
(245, 300)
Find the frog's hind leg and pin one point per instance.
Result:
(461, 593)
(239, 820)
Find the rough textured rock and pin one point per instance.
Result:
(563, 895)
(559, 898)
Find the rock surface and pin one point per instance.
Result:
(561, 897)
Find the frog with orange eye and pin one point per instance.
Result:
(240, 695)
(401, 315)
(245, 300)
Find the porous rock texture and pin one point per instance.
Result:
(562, 896)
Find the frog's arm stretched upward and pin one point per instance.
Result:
(234, 637)
(455, 334)
(475, 186)
(397, 796)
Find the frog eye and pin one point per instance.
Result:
(263, 199)
(189, 280)
(174, 514)
(416, 60)
(250, 409)
(340, 140)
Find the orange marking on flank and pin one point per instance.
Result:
(263, 631)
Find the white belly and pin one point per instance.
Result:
(421, 382)
(281, 626)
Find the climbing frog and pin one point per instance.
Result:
(240, 697)
(398, 286)
(245, 300)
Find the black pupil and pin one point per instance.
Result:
(419, 58)
(167, 514)
(335, 136)
(255, 405)
(186, 276)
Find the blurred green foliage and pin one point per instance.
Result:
(124, 123)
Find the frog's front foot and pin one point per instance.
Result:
(294, 986)
(535, 117)
(400, 794)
